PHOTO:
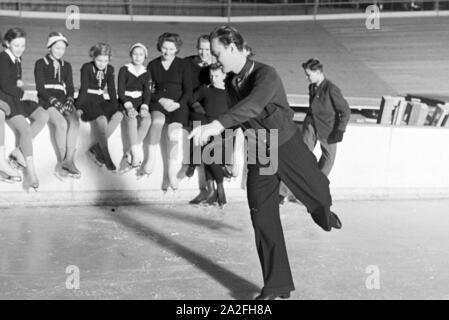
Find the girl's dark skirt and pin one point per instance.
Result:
(58, 94)
(96, 106)
(3, 105)
(18, 107)
(137, 103)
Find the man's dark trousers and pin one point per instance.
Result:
(298, 169)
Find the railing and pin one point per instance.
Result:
(224, 8)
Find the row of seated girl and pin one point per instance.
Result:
(148, 98)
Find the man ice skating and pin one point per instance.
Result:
(258, 101)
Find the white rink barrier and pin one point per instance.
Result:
(373, 162)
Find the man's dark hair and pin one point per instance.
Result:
(202, 38)
(227, 35)
(313, 65)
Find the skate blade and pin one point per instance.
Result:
(34, 188)
(135, 165)
(74, 175)
(7, 180)
(205, 204)
(124, 170)
(115, 171)
(140, 174)
(61, 176)
(67, 173)
(170, 189)
(14, 164)
(94, 159)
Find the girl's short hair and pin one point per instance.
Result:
(202, 38)
(312, 65)
(169, 37)
(12, 34)
(100, 49)
(227, 35)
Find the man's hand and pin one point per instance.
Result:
(336, 136)
(202, 134)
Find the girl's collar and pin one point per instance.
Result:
(96, 69)
(49, 58)
(133, 71)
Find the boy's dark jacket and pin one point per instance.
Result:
(329, 111)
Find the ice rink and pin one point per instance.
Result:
(386, 250)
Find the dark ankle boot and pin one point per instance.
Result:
(212, 193)
(190, 170)
(202, 196)
(107, 160)
(97, 155)
(227, 171)
(221, 196)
